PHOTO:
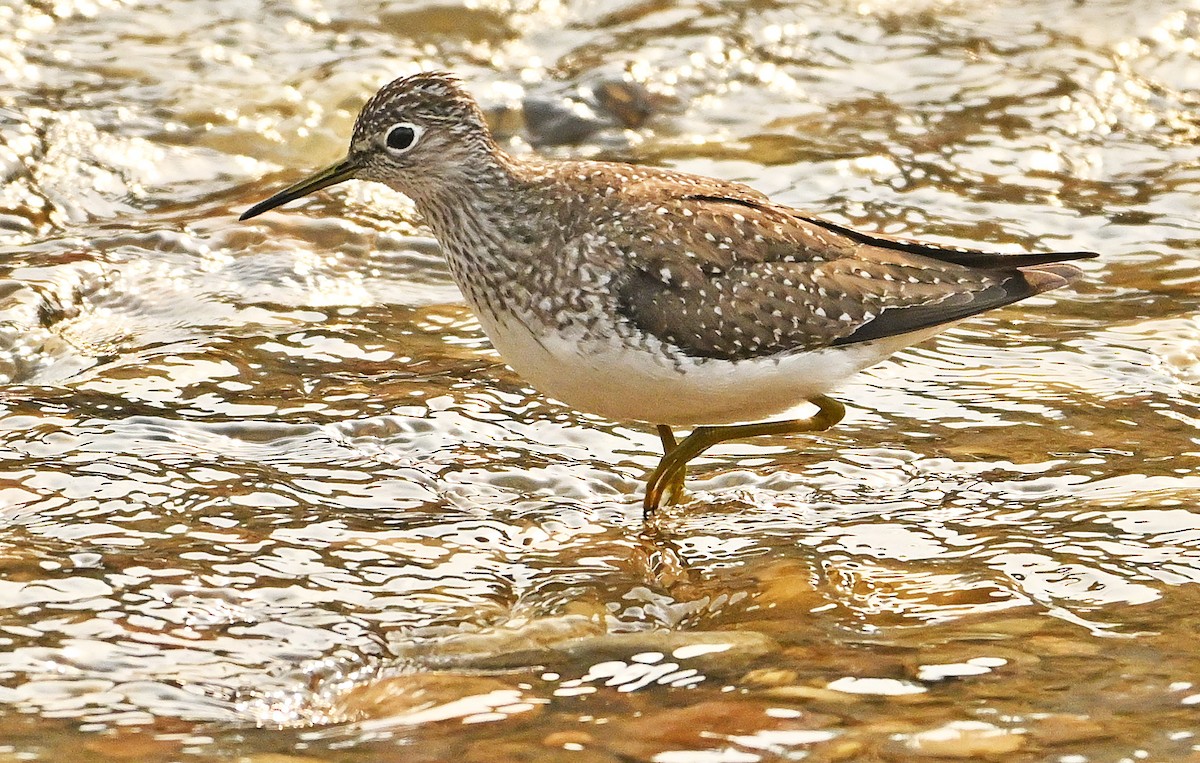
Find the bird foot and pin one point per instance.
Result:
(674, 492)
(665, 485)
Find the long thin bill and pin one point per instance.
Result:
(335, 173)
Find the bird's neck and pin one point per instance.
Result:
(471, 201)
(478, 216)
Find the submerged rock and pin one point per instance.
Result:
(965, 739)
(578, 642)
(422, 698)
(708, 651)
(714, 724)
(570, 117)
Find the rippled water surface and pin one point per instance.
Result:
(267, 494)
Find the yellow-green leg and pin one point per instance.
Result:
(672, 491)
(666, 481)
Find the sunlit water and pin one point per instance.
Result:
(267, 492)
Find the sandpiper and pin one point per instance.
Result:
(645, 294)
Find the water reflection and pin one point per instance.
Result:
(271, 475)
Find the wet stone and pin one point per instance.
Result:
(708, 651)
(459, 21)
(964, 739)
(132, 746)
(630, 103)
(1058, 646)
(565, 738)
(703, 725)
(561, 118)
(848, 662)
(431, 697)
(1003, 627)
(839, 750)
(788, 586)
(769, 677)
(555, 121)
(801, 693)
(1064, 728)
(965, 659)
(528, 643)
(519, 751)
(277, 757)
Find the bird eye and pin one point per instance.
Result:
(402, 137)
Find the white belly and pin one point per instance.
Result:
(630, 384)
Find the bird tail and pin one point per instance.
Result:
(1050, 276)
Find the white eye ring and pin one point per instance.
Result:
(402, 136)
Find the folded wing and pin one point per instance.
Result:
(757, 279)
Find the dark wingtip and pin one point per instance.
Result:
(1005, 260)
(1018, 284)
(1064, 256)
(968, 258)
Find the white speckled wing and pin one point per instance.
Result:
(740, 278)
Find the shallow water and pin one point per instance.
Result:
(266, 491)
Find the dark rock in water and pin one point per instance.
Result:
(561, 118)
(555, 121)
(629, 102)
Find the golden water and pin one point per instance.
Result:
(266, 494)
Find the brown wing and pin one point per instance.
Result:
(746, 278)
